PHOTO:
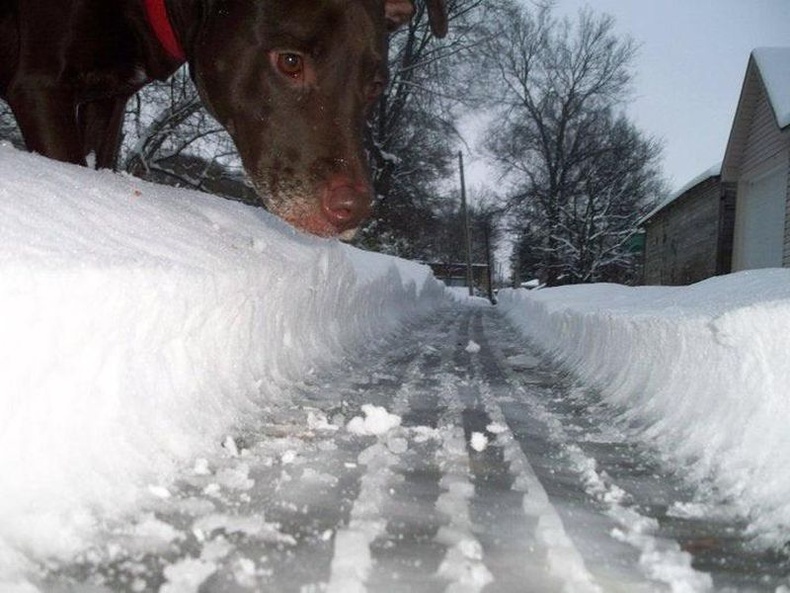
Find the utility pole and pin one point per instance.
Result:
(487, 239)
(467, 238)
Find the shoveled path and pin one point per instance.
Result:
(503, 476)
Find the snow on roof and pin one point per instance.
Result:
(774, 65)
(713, 171)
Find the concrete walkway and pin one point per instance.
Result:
(502, 476)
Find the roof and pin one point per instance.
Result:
(768, 72)
(713, 171)
(774, 66)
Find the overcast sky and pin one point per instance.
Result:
(690, 66)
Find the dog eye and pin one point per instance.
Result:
(290, 64)
(375, 92)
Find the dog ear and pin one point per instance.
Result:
(399, 12)
(437, 14)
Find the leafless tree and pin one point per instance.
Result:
(8, 129)
(170, 138)
(413, 138)
(581, 173)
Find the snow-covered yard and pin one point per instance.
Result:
(142, 326)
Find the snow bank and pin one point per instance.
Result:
(140, 324)
(701, 371)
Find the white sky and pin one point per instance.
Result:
(690, 67)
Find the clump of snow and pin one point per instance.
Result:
(141, 325)
(377, 421)
(187, 575)
(462, 565)
(497, 428)
(661, 559)
(699, 372)
(472, 347)
(478, 441)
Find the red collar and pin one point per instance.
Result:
(156, 11)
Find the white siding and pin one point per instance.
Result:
(760, 221)
(762, 226)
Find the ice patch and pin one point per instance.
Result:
(522, 362)
(254, 526)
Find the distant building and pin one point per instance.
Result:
(454, 274)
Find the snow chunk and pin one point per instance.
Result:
(230, 446)
(201, 467)
(472, 347)
(496, 428)
(478, 442)
(187, 575)
(159, 492)
(317, 420)
(235, 478)
(251, 525)
(377, 421)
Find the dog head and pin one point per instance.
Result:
(293, 82)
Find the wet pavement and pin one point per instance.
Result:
(504, 475)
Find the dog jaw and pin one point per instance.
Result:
(337, 212)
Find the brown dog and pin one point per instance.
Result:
(291, 80)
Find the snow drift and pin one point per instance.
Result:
(700, 372)
(141, 324)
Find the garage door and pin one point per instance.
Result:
(760, 222)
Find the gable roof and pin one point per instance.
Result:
(768, 72)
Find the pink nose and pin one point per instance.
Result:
(345, 204)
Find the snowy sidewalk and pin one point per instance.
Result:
(451, 459)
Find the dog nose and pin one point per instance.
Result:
(345, 204)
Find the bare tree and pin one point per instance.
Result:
(413, 136)
(170, 138)
(578, 191)
(8, 128)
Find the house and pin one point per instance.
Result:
(689, 236)
(454, 274)
(735, 216)
(757, 163)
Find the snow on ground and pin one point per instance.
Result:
(141, 325)
(699, 372)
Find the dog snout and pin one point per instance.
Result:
(345, 204)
